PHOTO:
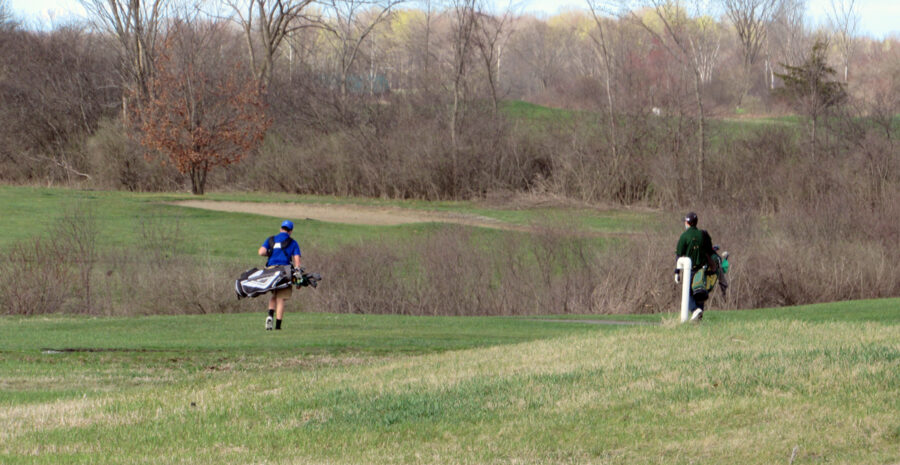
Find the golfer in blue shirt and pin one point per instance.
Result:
(281, 250)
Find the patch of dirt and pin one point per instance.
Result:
(351, 214)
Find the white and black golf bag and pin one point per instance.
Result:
(255, 282)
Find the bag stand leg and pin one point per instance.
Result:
(684, 264)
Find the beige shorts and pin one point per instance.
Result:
(284, 293)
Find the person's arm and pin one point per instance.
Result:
(294, 252)
(263, 252)
(679, 252)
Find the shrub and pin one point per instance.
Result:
(118, 162)
(35, 278)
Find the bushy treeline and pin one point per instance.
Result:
(807, 204)
(397, 100)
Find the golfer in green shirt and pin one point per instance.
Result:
(697, 245)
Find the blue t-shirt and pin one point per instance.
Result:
(279, 256)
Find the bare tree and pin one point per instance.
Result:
(844, 21)
(465, 20)
(429, 18)
(687, 40)
(787, 40)
(540, 47)
(491, 34)
(55, 86)
(266, 24)
(350, 23)
(604, 50)
(136, 24)
(5, 14)
(751, 20)
(417, 51)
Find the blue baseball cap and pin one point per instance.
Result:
(287, 224)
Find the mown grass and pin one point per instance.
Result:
(29, 211)
(39, 348)
(810, 382)
(874, 311)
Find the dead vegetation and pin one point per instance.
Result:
(843, 250)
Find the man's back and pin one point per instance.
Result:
(696, 245)
(282, 249)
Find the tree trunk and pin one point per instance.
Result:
(701, 129)
(198, 178)
(611, 109)
(453, 139)
(813, 137)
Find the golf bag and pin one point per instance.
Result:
(255, 282)
(699, 283)
(706, 278)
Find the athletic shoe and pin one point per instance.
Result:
(269, 323)
(697, 315)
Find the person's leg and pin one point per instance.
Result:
(281, 296)
(270, 319)
(279, 308)
(693, 305)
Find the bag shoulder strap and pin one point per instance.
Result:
(285, 245)
(270, 245)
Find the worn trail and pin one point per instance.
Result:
(371, 215)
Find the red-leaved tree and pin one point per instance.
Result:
(201, 113)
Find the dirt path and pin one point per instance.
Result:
(351, 214)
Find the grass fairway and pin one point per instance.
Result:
(121, 216)
(820, 382)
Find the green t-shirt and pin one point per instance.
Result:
(695, 244)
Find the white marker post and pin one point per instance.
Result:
(684, 264)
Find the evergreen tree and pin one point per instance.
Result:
(811, 87)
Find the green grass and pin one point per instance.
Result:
(747, 387)
(28, 211)
(146, 345)
(32, 211)
(878, 310)
(317, 333)
(517, 109)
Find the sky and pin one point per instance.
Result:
(878, 18)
